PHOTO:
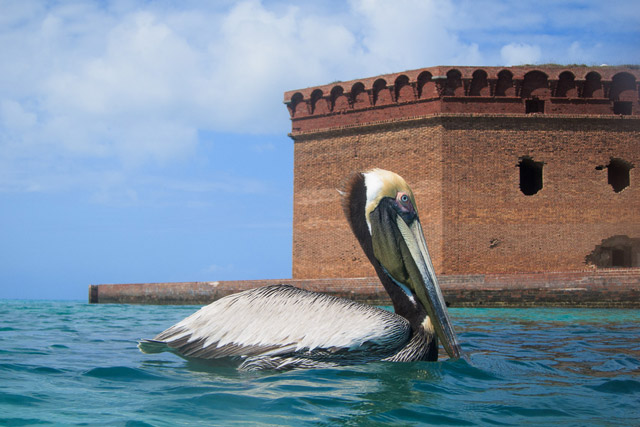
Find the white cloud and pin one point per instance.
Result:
(411, 34)
(14, 118)
(520, 53)
(134, 83)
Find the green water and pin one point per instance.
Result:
(73, 363)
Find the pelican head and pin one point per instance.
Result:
(382, 213)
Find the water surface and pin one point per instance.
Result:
(74, 363)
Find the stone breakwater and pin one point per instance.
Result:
(619, 288)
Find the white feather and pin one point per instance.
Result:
(374, 183)
(291, 319)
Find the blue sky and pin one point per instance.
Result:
(146, 141)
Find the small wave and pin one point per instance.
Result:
(529, 412)
(22, 421)
(120, 373)
(136, 423)
(59, 346)
(618, 387)
(28, 368)
(19, 399)
(48, 370)
(463, 369)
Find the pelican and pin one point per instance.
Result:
(281, 327)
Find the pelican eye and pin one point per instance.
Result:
(405, 207)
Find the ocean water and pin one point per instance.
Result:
(70, 363)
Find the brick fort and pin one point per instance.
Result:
(518, 169)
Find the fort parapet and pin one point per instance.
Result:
(552, 90)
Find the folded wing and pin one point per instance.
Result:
(278, 321)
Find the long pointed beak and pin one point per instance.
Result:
(425, 284)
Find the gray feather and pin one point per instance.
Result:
(282, 327)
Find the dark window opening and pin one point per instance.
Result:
(619, 257)
(616, 252)
(530, 176)
(504, 86)
(592, 86)
(618, 174)
(534, 106)
(623, 108)
(316, 95)
(378, 87)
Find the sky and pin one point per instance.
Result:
(146, 141)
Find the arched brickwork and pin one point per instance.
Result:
(593, 86)
(359, 96)
(298, 107)
(339, 101)
(403, 89)
(381, 94)
(623, 87)
(426, 86)
(535, 84)
(318, 104)
(566, 87)
(479, 84)
(453, 85)
(504, 86)
(553, 88)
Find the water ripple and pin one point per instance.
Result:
(73, 363)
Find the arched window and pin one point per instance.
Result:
(426, 86)
(297, 106)
(453, 86)
(535, 84)
(403, 90)
(623, 86)
(339, 102)
(381, 94)
(504, 86)
(316, 104)
(479, 85)
(359, 97)
(592, 86)
(623, 93)
(566, 85)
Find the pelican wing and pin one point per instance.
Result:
(282, 320)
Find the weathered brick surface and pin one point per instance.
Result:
(323, 245)
(415, 93)
(614, 288)
(459, 148)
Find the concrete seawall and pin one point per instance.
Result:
(619, 288)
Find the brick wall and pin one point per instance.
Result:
(612, 288)
(491, 226)
(323, 245)
(458, 140)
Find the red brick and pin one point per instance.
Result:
(460, 155)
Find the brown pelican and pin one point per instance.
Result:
(282, 327)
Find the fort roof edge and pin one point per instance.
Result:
(552, 71)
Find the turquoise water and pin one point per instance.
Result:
(74, 363)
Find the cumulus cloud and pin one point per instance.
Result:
(134, 83)
(520, 53)
(411, 34)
